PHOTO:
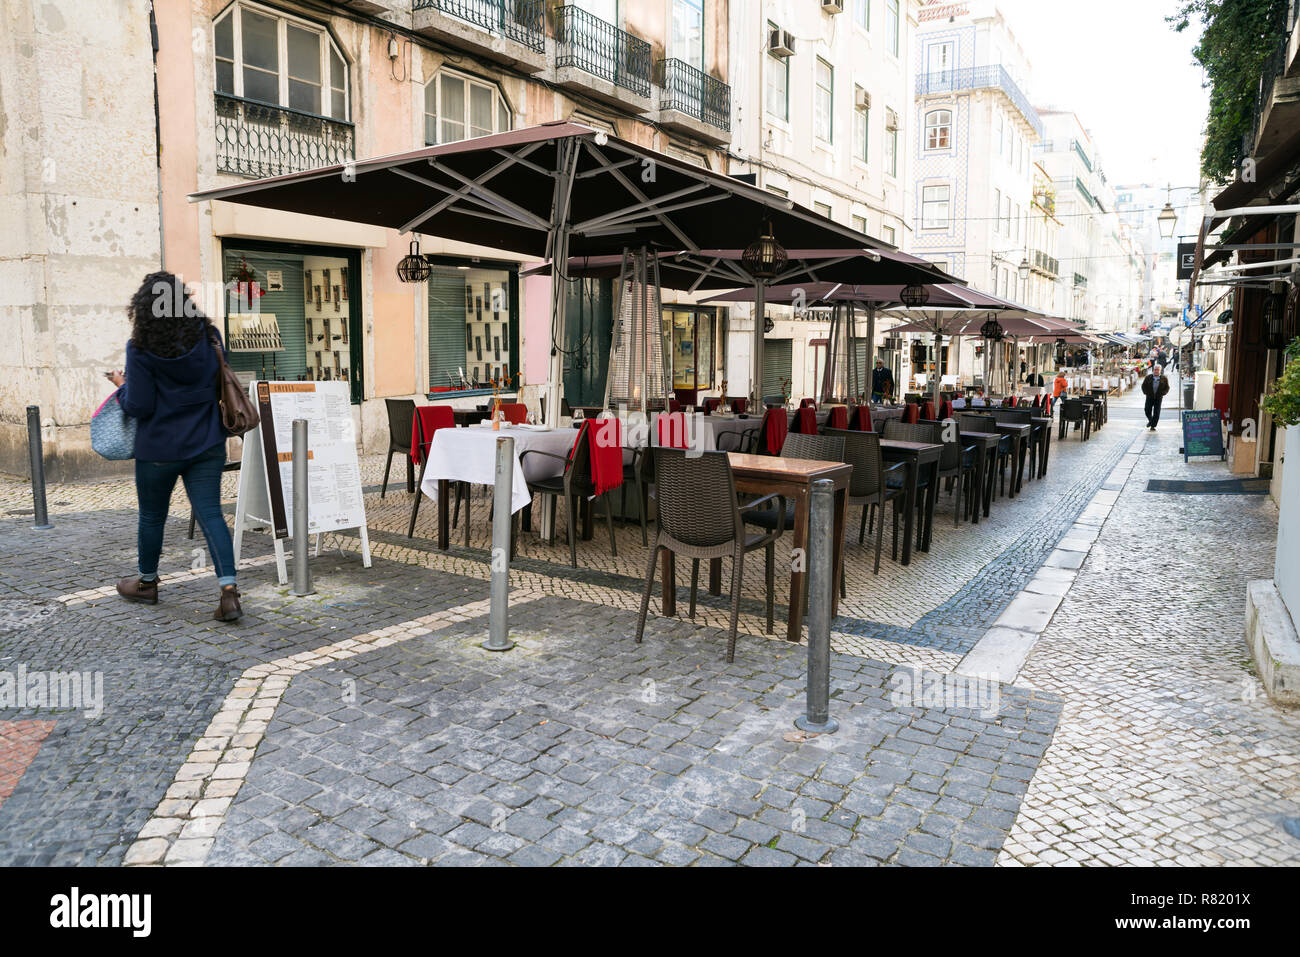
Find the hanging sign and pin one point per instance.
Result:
(333, 472)
(1186, 260)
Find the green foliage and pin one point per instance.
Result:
(1283, 400)
(1237, 38)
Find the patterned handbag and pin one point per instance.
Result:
(112, 431)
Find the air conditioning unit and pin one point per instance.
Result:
(861, 99)
(891, 121)
(780, 43)
(832, 7)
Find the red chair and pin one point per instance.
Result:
(674, 405)
(672, 430)
(862, 419)
(688, 397)
(945, 409)
(516, 413)
(429, 419)
(1037, 404)
(1221, 399)
(776, 425)
(808, 403)
(911, 413)
(805, 420)
(839, 417)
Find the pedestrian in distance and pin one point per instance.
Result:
(1155, 387)
(882, 382)
(170, 388)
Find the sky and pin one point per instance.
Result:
(1127, 74)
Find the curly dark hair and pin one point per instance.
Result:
(165, 319)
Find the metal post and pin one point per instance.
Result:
(42, 517)
(760, 309)
(821, 590)
(502, 519)
(301, 566)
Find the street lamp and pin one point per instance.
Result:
(1024, 268)
(1168, 218)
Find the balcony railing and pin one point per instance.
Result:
(1046, 263)
(601, 49)
(520, 20)
(258, 139)
(1274, 67)
(696, 93)
(980, 78)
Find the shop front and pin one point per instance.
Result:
(472, 338)
(692, 333)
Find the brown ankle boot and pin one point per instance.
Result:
(229, 609)
(133, 589)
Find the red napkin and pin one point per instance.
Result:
(911, 413)
(839, 417)
(672, 430)
(739, 406)
(775, 427)
(945, 409)
(864, 419)
(805, 420)
(606, 445)
(808, 403)
(516, 413)
(927, 410)
(428, 419)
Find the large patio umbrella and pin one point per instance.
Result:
(553, 191)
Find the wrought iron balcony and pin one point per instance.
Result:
(993, 77)
(520, 20)
(695, 93)
(257, 139)
(1046, 263)
(601, 49)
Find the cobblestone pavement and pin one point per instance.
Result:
(364, 723)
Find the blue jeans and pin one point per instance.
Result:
(154, 482)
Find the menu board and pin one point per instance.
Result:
(334, 499)
(1203, 433)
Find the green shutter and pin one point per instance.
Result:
(778, 361)
(287, 307)
(447, 354)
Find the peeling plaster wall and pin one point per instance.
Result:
(78, 214)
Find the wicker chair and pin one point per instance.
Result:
(1023, 416)
(819, 448)
(956, 465)
(985, 421)
(401, 413)
(576, 485)
(899, 431)
(868, 484)
(698, 516)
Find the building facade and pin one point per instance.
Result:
(245, 89)
(820, 115)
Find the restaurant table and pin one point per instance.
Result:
(732, 425)
(466, 417)
(469, 455)
(986, 458)
(917, 456)
(1019, 432)
(793, 479)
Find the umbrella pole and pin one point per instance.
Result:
(871, 349)
(559, 266)
(938, 359)
(760, 307)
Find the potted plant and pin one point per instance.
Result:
(1283, 399)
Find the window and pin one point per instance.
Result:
(1006, 205)
(861, 123)
(472, 325)
(997, 211)
(1017, 236)
(691, 331)
(934, 207)
(938, 129)
(858, 222)
(776, 95)
(457, 108)
(822, 209)
(891, 143)
(688, 32)
(891, 26)
(260, 55)
(824, 101)
(888, 234)
(997, 125)
(862, 13)
(779, 191)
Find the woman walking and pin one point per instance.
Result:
(171, 391)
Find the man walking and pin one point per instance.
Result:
(1155, 387)
(882, 382)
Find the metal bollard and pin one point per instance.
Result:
(301, 565)
(821, 591)
(42, 517)
(502, 520)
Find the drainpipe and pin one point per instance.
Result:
(157, 136)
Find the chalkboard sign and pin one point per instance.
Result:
(1203, 434)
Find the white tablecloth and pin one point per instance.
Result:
(469, 455)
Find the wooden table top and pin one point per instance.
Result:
(900, 446)
(790, 470)
(1016, 426)
(986, 436)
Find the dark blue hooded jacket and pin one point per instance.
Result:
(174, 402)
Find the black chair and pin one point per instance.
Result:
(956, 465)
(1074, 412)
(899, 431)
(868, 485)
(575, 485)
(698, 516)
(1019, 416)
(401, 412)
(228, 467)
(984, 421)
